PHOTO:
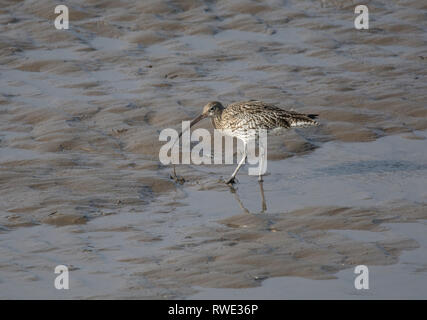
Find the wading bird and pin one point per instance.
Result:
(241, 119)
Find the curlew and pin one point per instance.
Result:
(241, 119)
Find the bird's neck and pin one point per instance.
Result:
(216, 120)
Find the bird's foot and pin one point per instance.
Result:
(177, 179)
(231, 181)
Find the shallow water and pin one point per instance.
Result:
(80, 115)
(160, 249)
(403, 280)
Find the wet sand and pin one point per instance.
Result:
(402, 280)
(80, 115)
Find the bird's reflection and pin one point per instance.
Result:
(236, 196)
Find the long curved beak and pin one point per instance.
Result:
(193, 122)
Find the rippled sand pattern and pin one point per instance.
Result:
(81, 111)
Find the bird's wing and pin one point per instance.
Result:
(255, 114)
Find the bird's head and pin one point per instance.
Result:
(211, 109)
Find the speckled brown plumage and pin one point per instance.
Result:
(242, 116)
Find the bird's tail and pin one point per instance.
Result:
(303, 120)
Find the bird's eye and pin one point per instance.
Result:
(212, 108)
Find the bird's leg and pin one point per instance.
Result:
(261, 162)
(261, 188)
(231, 180)
(177, 179)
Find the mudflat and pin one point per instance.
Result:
(81, 111)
